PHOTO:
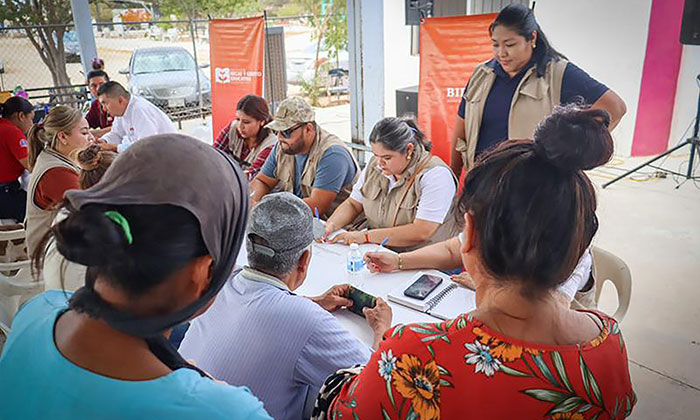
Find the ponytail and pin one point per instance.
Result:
(36, 138)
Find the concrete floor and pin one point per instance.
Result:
(655, 229)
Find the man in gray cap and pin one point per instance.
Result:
(258, 333)
(307, 161)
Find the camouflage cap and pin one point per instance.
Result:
(292, 111)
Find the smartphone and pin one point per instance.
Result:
(360, 300)
(422, 287)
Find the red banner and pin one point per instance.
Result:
(236, 48)
(450, 49)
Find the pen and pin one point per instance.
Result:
(384, 242)
(316, 213)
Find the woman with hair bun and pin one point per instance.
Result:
(51, 145)
(405, 192)
(520, 353)
(507, 96)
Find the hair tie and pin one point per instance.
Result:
(117, 218)
(40, 125)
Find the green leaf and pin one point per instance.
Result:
(355, 416)
(597, 415)
(628, 406)
(450, 323)
(398, 331)
(430, 349)
(616, 411)
(546, 395)
(411, 415)
(422, 330)
(445, 382)
(584, 376)
(513, 372)
(461, 323)
(568, 405)
(594, 387)
(443, 371)
(561, 370)
(390, 393)
(542, 366)
(435, 337)
(585, 408)
(385, 414)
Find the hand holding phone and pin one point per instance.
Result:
(360, 300)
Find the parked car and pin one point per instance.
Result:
(71, 46)
(300, 64)
(166, 77)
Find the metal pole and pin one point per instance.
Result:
(83, 27)
(196, 62)
(270, 88)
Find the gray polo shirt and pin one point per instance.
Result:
(280, 345)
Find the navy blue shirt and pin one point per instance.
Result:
(576, 85)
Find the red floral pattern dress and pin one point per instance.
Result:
(460, 369)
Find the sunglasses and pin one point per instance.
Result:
(288, 132)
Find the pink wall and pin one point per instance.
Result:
(659, 78)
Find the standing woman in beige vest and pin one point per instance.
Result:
(406, 194)
(64, 131)
(507, 96)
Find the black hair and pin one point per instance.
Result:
(15, 104)
(256, 107)
(532, 206)
(521, 19)
(97, 73)
(88, 237)
(112, 89)
(397, 133)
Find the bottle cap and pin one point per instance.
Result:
(354, 246)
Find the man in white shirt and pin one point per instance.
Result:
(134, 117)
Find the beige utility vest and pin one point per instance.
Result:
(286, 175)
(386, 208)
(235, 144)
(534, 99)
(38, 220)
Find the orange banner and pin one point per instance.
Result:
(450, 49)
(236, 48)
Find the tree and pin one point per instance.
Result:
(328, 18)
(45, 22)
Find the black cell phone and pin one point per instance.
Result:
(360, 300)
(422, 287)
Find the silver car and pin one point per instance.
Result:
(166, 77)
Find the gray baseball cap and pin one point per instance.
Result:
(284, 221)
(292, 111)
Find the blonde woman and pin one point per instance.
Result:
(51, 143)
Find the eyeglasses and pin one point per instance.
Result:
(288, 132)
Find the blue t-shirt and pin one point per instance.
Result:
(335, 170)
(576, 85)
(37, 382)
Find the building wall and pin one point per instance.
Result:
(608, 40)
(401, 68)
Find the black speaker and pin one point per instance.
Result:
(407, 102)
(690, 27)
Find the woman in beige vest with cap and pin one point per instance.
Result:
(510, 94)
(406, 194)
(51, 143)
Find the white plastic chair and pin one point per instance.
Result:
(609, 267)
(16, 287)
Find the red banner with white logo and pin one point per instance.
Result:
(236, 48)
(450, 49)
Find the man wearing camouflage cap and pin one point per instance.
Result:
(308, 161)
(260, 334)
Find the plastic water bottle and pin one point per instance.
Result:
(355, 261)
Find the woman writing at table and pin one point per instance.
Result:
(406, 194)
(520, 354)
(510, 94)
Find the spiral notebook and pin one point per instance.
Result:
(447, 301)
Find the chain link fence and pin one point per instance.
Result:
(160, 61)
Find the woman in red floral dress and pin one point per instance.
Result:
(529, 215)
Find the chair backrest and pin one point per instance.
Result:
(608, 266)
(17, 285)
(12, 243)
